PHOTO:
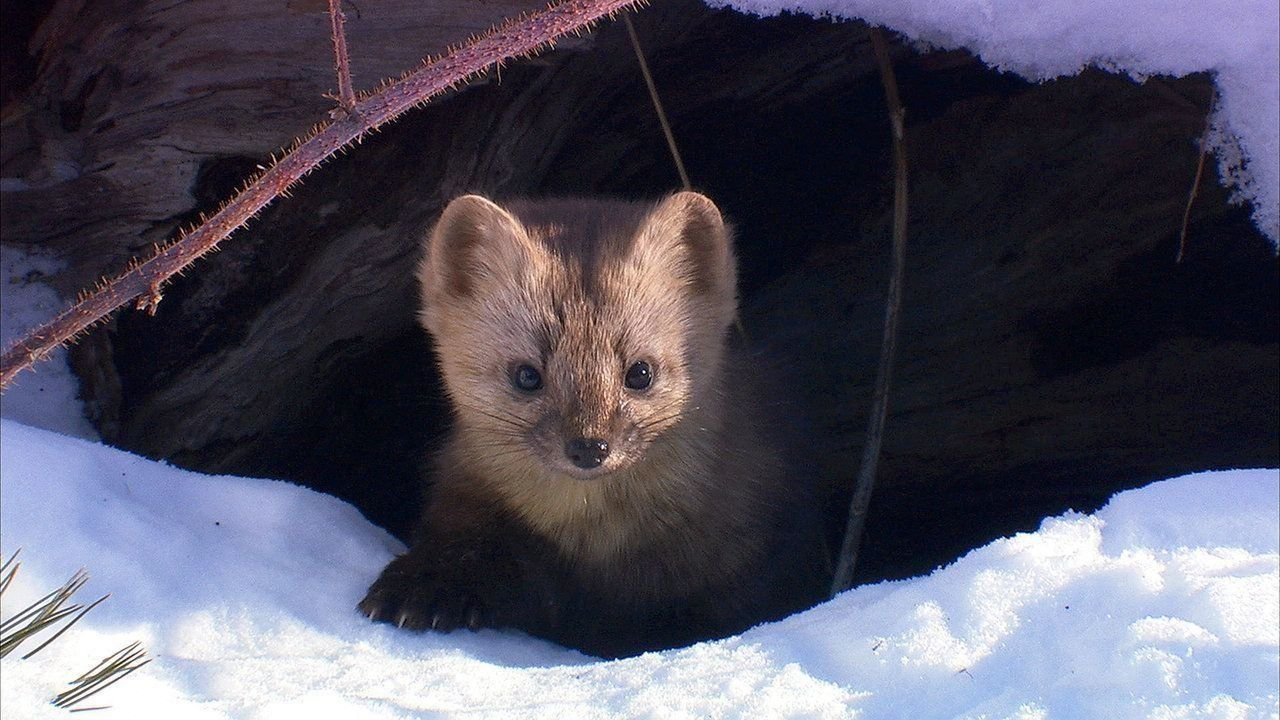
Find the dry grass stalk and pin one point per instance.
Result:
(848, 557)
(1195, 184)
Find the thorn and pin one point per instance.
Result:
(150, 302)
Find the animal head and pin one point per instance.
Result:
(573, 335)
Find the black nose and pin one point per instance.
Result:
(586, 453)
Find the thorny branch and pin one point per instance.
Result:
(337, 27)
(848, 558)
(524, 36)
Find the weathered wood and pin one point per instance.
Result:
(1051, 350)
(132, 98)
(351, 121)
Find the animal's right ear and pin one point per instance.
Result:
(473, 243)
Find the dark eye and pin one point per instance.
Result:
(639, 375)
(526, 378)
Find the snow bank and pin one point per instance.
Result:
(1238, 41)
(1166, 604)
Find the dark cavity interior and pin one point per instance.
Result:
(1052, 351)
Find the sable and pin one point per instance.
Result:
(613, 480)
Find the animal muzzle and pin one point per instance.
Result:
(586, 453)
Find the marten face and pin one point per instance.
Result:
(590, 393)
(574, 335)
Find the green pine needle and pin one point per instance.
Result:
(48, 612)
(112, 669)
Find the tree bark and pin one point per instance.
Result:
(1051, 351)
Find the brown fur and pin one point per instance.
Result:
(692, 526)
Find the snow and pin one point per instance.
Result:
(1238, 41)
(45, 397)
(1165, 604)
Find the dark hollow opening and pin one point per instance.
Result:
(1052, 351)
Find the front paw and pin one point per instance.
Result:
(472, 582)
(413, 596)
(417, 608)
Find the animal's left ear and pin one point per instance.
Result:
(686, 233)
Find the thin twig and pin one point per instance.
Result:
(337, 26)
(880, 398)
(657, 102)
(524, 36)
(1195, 184)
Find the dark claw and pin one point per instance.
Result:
(417, 595)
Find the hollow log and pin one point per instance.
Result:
(1052, 351)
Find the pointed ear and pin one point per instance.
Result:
(687, 234)
(473, 243)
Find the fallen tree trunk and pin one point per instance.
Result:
(1051, 350)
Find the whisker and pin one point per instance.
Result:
(652, 421)
(494, 416)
